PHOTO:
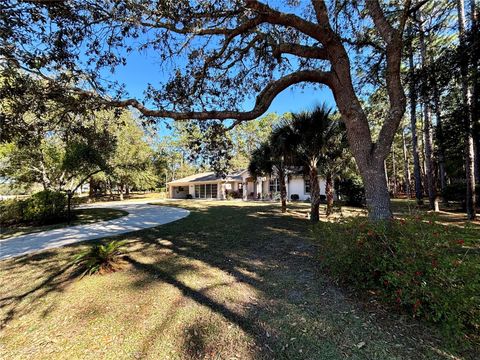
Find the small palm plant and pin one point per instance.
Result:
(101, 258)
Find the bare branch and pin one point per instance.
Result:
(263, 100)
(304, 51)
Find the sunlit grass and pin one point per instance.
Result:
(233, 280)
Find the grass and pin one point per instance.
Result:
(79, 217)
(233, 280)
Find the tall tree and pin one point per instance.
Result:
(131, 164)
(406, 166)
(228, 46)
(311, 137)
(427, 123)
(466, 102)
(413, 119)
(334, 160)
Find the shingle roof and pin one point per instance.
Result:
(209, 176)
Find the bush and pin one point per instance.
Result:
(352, 191)
(45, 207)
(415, 265)
(294, 197)
(101, 258)
(11, 212)
(457, 192)
(189, 196)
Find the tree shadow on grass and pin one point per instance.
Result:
(261, 248)
(58, 276)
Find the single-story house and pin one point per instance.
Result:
(239, 185)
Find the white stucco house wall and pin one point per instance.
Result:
(239, 185)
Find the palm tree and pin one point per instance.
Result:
(268, 159)
(334, 160)
(313, 137)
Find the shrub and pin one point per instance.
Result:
(294, 197)
(458, 191)
(45, 207)
(101, 258)
(415, 265)
(352, 191)
(189, 196)
(11, 212)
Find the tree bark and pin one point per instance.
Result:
(475, 104)
(120, 191)
(283, 190)
(314, 194)
(466, 98)
(475, 89)
(427, 126)
(329, 193)
(376, 191)
(441, 151)
(406, 167)
(91, 189)
(394, 170)
(413, 125)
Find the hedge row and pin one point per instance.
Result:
(44, 207)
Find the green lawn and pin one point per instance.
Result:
(79, 217)
(233, 280)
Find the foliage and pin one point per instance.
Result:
(413, 264)
(248, 136)
(352, 191)
(131, 164)
(11, 211)
(457, 192)
(229, 57)
(44, 207)
(59, 156)
(101, 258)
(294, 197)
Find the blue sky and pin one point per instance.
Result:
(142, 69)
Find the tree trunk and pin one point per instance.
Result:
(91, 189)
(283, 190)
(427, 127)
(475, 105)
(329, 193)
(413, 124)
(394, 170)
(466, 98)
(406, 167)
(441, 151)
(120, 191)
(376, 191)
(314, 194)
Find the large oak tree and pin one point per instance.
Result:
(221, 54)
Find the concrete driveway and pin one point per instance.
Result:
(140, 216)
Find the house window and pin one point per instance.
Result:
(306, 185)
(206, 191)
(274, 185)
